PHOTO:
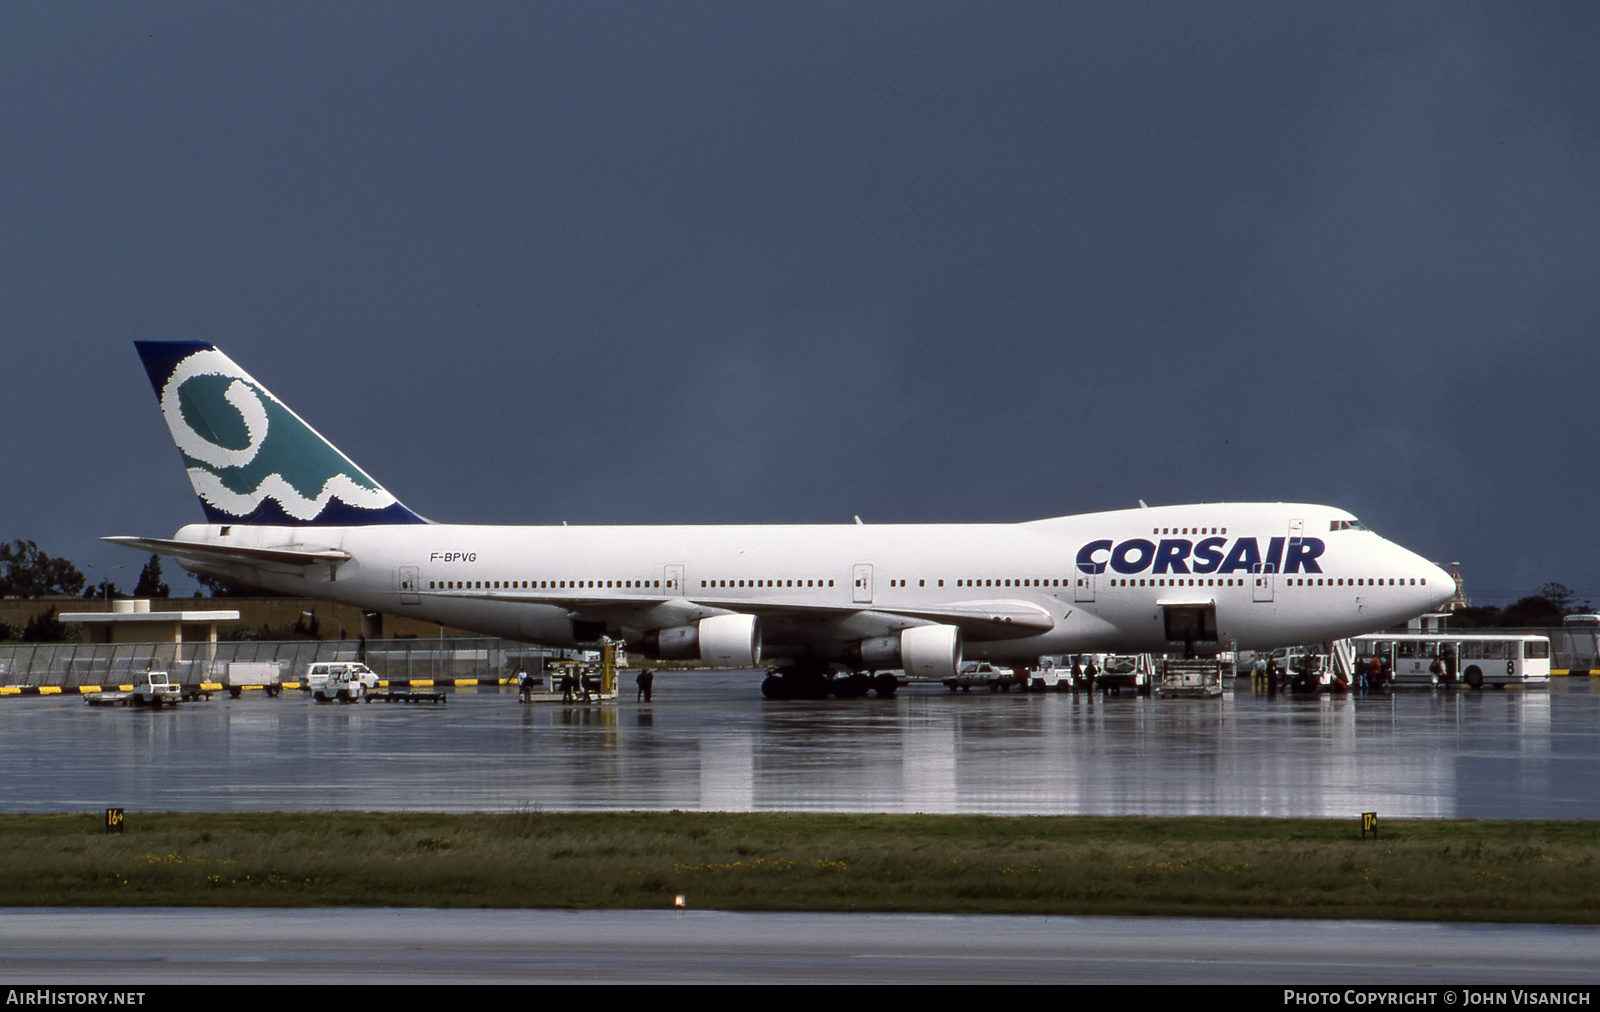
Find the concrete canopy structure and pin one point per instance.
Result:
(132, 621)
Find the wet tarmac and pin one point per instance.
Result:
(168, 946)
(710, 742)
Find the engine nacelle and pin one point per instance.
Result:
(924, 651)
(722, 641)
(931, 651)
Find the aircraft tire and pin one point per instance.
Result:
(885, 686)
(854, 686)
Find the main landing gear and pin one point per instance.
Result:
(818, 683)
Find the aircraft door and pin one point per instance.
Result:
(1263, 576)
(862, 590)
(408, 582)
(1084, 591)
(1191, 624)
(672, 580)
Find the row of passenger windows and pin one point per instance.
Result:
(1333, 525)
(604, 584)
(1289, 582)
(1011, 583)
(1178, 583)
(656, 584)
(540, 584)
(1301, 581)
(766, 583)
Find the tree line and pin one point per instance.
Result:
(1546, 608)
(29, 573)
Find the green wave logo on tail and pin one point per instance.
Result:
(251, 459)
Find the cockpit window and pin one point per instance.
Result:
(1347, 525)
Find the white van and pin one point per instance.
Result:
(317, 675)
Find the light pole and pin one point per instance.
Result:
(106, 580)
(336, 618)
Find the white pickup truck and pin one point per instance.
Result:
(150, 688)
(155, 688)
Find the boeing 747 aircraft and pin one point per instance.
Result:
(288, 512)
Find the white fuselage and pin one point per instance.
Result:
(1272, 574)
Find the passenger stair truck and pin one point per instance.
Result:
(1344, 660)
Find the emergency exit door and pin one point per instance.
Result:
(1263, 578)
(408, 583)
(1084, 590)
(861, 592)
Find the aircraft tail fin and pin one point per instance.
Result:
(251, 459)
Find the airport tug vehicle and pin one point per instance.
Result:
(345, 683)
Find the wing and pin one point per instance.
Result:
(996, 619)
(978, 620)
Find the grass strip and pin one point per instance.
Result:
(1207, 867)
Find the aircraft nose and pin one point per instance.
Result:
(1441, 585)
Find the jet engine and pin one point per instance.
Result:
(723, 641)
(924, 651)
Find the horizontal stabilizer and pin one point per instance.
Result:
(234, 555)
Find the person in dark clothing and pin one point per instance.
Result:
(645, 680)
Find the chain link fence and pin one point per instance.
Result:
(69, 666)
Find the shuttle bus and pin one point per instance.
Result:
(1475, 659)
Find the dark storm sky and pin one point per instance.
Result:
(703, 262)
